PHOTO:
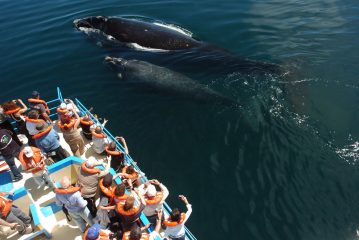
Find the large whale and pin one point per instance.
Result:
(148, 35)
(164, 80)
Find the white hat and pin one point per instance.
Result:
(91, 162)
(63, 106)
(28, 152)
(151, 191)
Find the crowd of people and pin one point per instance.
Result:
(116, 214)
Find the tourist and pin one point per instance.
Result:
(69, 127)
(129, 172)
(138, 233)
(16, 113)
(12, 216)
(88, 180)
(5, 124)
(70, 197)
(96, 233)
(175, 223)
(100, 140)
(48, 140)
(86, 126)
(118, 157)
(129, 213)
(9, 149)
(154, 200)
(35, 103)
(33, 161)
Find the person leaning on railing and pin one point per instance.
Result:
(175, 223)
(39, 105)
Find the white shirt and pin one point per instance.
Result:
(154, 235)
(99, 144)
(179, 230)
(150, 210)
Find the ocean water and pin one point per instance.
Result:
(281, 165)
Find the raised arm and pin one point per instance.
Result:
(189, 207)
(23, 106)
(123, 141)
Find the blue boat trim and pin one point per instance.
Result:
(50, 209)
(35, 216)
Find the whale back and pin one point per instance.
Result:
(148, 35)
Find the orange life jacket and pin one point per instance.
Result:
(86, 122)
(69, 125)
(67, 190)
(130, 212)
(144, 236)
(170, 223)
(121, 199)
(5, 205)
(40, 134)
(8, 112)
(154, 200)
(133, 175)
(61, 111)
(39, 101)
(102, 236)
(33, 120)
(109, 192)
(31, 162)
(96, 135)
(89, 170)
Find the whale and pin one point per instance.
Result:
(159, 79)
(142, 35)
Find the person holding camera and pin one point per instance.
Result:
(175, 223)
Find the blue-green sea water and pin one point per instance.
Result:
(280, 166)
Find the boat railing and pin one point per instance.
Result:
(55, 103)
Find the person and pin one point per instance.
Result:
(69, 127)
(35, 103)
(129, 213)
(62, 110)
(5, 124)
(48, 141)
(175, 223)
(33, 161)
(30, 122)
(108, 201)
(154, 200)
(138, 233)
(9, 149)
(88, 180)
(86, 126)
(70, 197)
(129, 172)
(96, 233)
(16, 113)
(12, 216)
(100, 140)
(118, 157)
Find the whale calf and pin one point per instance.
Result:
(166, 81)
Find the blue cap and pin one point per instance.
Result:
(35, 93)
(93, 232)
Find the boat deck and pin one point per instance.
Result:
(48, 218)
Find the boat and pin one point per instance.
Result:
(49, 221)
